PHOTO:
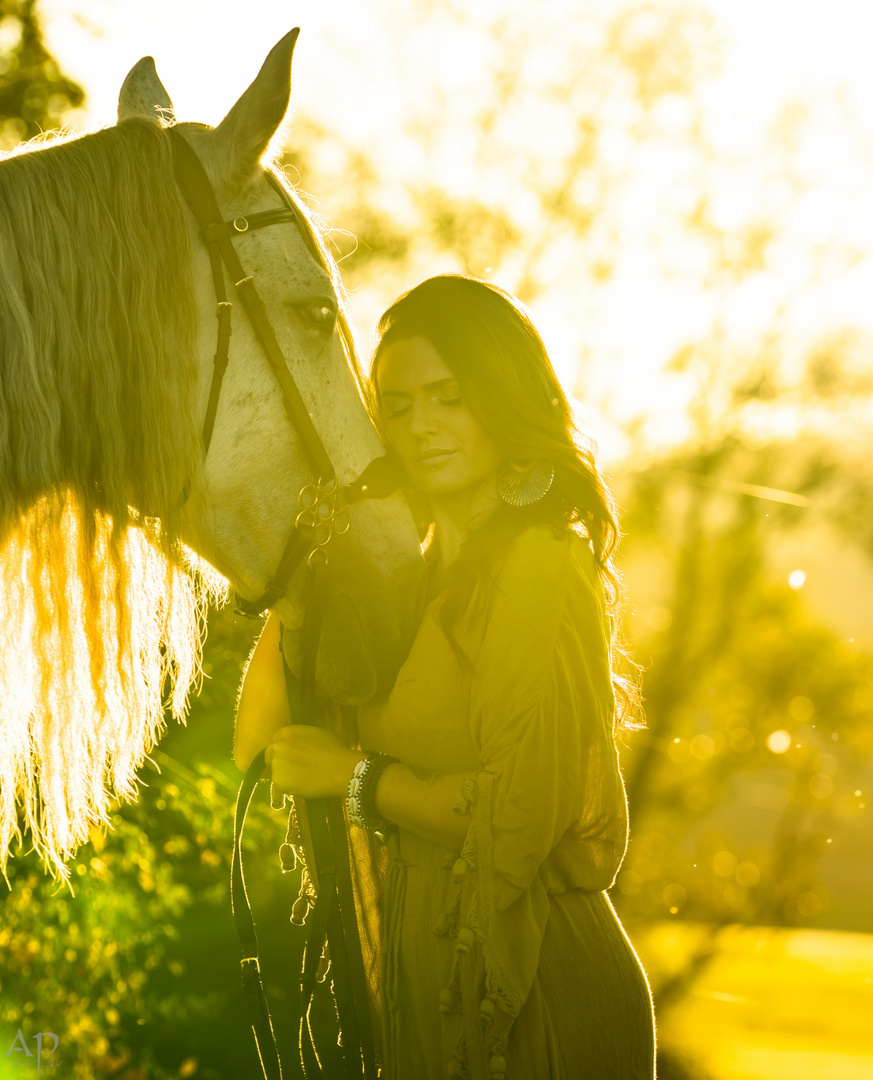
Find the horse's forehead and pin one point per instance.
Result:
(302, 268)
(260, 194)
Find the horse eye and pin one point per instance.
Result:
(319, 315)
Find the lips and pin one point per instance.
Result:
(433, 457)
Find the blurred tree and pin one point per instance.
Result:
(35, 96)
(524, 141)
(759, 718)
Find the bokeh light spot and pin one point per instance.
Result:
(748, 874)
(809, 904)
(778, 741)
(801, 708)
(659, 619)
(821, 786)
(629, 882)
(742, 740)
(702, 747)
(724, 863)
(797, 579)
(675, 896)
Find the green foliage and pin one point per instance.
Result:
(35, 95)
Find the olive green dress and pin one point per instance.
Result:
(506, 959)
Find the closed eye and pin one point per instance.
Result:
(391, 412)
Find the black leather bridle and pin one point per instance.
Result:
(323, 510)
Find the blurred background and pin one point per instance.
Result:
(679, 191)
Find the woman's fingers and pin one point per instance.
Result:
(289, 733)
(310, 762)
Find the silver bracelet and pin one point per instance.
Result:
(361, 799)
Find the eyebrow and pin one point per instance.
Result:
(428, 387)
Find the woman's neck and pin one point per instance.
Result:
(453, 515)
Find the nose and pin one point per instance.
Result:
(422, 418)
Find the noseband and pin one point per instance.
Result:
(323, 510)
(323, 505)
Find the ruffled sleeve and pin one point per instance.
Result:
(548, 805)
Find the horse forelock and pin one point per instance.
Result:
(98, 439)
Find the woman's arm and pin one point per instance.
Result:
(312, 763)
(424, 807)
(263, 703)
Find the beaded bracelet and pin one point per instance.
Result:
(361, 800)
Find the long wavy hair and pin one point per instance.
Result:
(487, 339)
(98, 441)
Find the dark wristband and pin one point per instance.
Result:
(361, 800)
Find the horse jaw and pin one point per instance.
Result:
(143, 95)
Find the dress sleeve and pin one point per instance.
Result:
(548, 805)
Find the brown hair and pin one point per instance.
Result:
(487, 338)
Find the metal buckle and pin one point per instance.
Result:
(324, 508)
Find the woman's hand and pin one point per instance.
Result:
(310, 762)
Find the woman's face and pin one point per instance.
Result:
(444, 449)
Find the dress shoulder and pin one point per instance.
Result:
(542, 569)
(546, 609)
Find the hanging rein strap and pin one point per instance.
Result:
(259, 1012)
(334, 917)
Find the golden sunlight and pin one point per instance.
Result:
(679, 191)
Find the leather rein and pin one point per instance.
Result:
(323, 510)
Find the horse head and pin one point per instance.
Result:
(258, 462)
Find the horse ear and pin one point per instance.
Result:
(246, 131)
(142, 94)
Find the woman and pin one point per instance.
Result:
(492, 760)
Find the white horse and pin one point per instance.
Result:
(107, 336)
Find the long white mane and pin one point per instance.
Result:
(100, 619)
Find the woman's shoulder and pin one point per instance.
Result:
(543, 561)
(544, 573)
(546, 609)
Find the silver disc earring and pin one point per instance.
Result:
(524, 483)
